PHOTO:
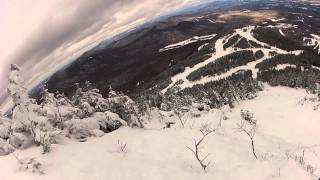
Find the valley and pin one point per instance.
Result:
(216, 90)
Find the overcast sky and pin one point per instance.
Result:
(42, 35)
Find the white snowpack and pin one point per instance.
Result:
(202, 46)
(285, 130)
(281, 32)
(314, 41)
(212, 21)
(220, 52)
(277, 20)
(283, 66)
(188, 41)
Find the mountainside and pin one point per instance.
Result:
(219, 90)
(286, 141)
(154, 56)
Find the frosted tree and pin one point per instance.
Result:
(75, 98)
(5, 127)
(65, 108)
(18, 92)
(89, 100)
(27, 115)
(56, 108)
(125, 107)
(318, 90)
(112, 93)
(15, 86)
(134, 113)
(178, 106)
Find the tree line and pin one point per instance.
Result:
(224, 64)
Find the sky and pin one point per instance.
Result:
(43, 36)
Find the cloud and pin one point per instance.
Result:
(41, 36)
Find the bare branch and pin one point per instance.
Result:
(197, 147)
(250, 131)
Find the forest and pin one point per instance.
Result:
(224, 64)
(239, 86)
(274, 38)
(305, 59)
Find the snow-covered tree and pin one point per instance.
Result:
(15, 87)
(112, 93)
(21, 111)
(89, 100)
(87, 113)
(178, 105)
(28, 118)
(125, 107)
(318, 90)
(5, 127)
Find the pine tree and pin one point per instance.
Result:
(21, 110)
(27, 115)
(125, 107)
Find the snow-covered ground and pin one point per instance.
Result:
(314, 41)
(276, 20)
(247, 33)
(283, 66)
(188, 41)
(286, 130)
(281, 32)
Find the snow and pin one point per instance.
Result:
(202, 46)
(188, 41)
(281, 26)
(286, 26)
(212, 21)
(313, 41)
(220, 52)
(281, 32)
(285, 130)
(283, 66)
(277, 20)
(315, 67)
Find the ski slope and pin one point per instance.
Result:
(314, 41)
(220, 52)
(188, 41)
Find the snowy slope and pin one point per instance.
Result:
(188, 41)
(314, 41)
(285, 130)
(220, 52)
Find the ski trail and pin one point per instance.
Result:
(220, 52)
(188, 41)
(314, 41)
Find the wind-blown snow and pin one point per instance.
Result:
(220, 52)
(188, 41)
(285, 130)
